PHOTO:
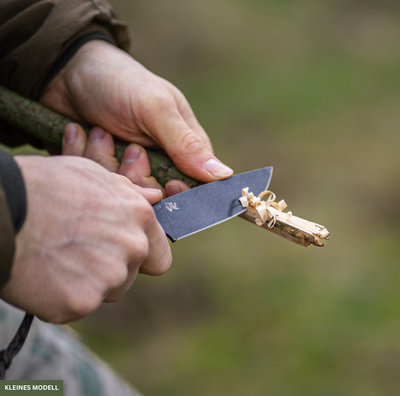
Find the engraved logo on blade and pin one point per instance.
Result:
(171, 206)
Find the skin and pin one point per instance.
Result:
(99, 147)
(104, 86)
(87, 235)
(90, 229)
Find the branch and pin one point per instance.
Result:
(49, 125)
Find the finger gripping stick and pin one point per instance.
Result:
(48, 125)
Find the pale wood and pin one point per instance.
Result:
(292, 228)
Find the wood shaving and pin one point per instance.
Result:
(266, 213)
(263, 206)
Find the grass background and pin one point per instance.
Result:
(312, 88)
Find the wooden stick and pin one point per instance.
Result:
(292, 228)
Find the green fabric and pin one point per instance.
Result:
(55, 353)
(34, 34)
(6, 240)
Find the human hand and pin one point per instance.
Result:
(99, 147)
(87, 234)
(104, 86)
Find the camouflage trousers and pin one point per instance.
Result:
(54, 353)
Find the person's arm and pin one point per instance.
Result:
(87, 234)
(12, 211)
(37, 38)
(102, 85)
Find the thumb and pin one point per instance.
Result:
(189, 152)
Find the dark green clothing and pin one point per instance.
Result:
(35, 33)
(6, 239)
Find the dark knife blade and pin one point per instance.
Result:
(208, 205)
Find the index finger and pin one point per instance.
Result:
(159, 258)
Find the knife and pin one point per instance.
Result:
(210, 204)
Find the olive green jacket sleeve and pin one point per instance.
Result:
(34, 34)
(6, 239)
(13, 210)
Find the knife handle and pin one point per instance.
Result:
(48, 125)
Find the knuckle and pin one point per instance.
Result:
(87, 305)
(117, 275)
(78, 306)
(98, 157)
(163, 100)
(140, 248)
(133, 176)
(191, 142)
(160, 102)
(148, 214)
(125, 185)
(159, 267)
(144, 210)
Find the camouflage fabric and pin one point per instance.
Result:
(55, 353)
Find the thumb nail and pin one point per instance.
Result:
(217, 169)
(153, 190)
(70, 134)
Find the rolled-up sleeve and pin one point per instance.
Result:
(34, 34)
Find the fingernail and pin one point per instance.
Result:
(130, 155)
(153, 190)
(172, 189)
(70, 134)
(217, 169)
(96, 135)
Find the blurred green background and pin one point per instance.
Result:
(312, 88)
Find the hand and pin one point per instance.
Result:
(100, 148)
(87, 234)
(104, 86)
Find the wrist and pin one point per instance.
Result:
(73, 90)
(68, 54)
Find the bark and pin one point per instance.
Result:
(48, 125)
